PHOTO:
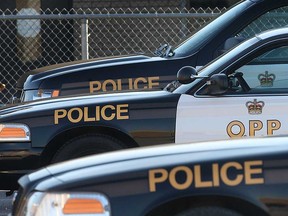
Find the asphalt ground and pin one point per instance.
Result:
(5, 204)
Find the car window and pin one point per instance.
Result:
(275, 56)
(267, 73)
(273, 19)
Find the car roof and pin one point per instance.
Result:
(273, 33)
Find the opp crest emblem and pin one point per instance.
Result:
(266, 79)
(254, 107)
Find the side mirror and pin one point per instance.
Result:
(186, 74)
(218, 84)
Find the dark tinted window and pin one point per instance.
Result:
(273, 19)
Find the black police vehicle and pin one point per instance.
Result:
(219, 178)
(145, 72)
(243, 93)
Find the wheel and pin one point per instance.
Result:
(87, 145)
(208, 211)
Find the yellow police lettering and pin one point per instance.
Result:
(119, 84)
(237, 128)
(94, 86)
(103, 113)
(273, 125)
(153, 82)
(224, 174)
(142, 79)
(97, 113)
(188, 181)
(59, 114)
(124, 84)
(254, 125)
(235, 124)
(109, 82)
(122, 110)
(250, 171)
(86, 116)
(198, 181)
(216, 176)
(130, 84)
(229, 174)
(77, 112)
(90, 114)
(157, 176)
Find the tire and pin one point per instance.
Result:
(87, 145)
(208, 211)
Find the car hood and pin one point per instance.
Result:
(80, 100)
(75, 66)
(156, 156)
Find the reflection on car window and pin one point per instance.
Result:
(275, 56)
(265, 73)
(273, 19)
(268, 72)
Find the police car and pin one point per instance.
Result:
(145, 72)
(242, 94)
(219, 178)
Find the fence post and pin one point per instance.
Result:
(84, 39)
(183, 29)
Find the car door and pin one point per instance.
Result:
(258, 111)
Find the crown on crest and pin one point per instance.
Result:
(255, 107)
(266, 79)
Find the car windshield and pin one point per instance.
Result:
(197, 39)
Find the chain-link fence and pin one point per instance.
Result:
(31, 39)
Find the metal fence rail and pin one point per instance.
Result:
(31, 39)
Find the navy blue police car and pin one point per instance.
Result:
(244, 177)
(135, 72)
(244, 93)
